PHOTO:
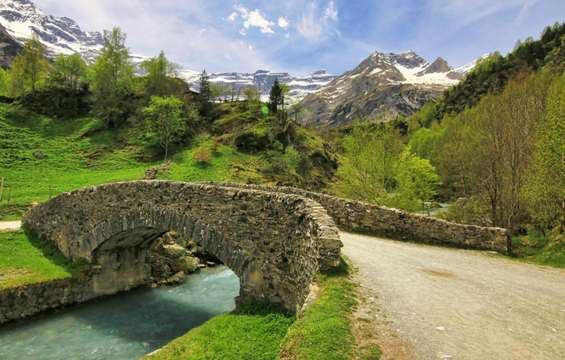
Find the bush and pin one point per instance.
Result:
(202, 155)
(253, 140)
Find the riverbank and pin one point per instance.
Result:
(124, 326)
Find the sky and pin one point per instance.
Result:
(300, 36)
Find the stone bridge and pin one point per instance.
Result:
(274, 242)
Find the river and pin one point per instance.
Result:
(125, 326)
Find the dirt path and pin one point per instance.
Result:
(458, 304)
(10, 225)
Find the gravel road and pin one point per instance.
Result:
(10, 225)
(461, 304)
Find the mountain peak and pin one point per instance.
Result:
(61, 35)
(438, 66)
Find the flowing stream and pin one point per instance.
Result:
(125, 326)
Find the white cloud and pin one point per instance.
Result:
(233, 17)
(254, 18)
(283, 22)
(316, 23)
(331, 11)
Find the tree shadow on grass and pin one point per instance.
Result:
(53, 254)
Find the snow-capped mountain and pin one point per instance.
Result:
(263, 80)
(381, 87)
(61, 35)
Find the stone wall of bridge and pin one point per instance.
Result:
(274, 242)
(357, 216)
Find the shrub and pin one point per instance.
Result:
(202, 155)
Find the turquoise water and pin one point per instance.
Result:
(126, 326)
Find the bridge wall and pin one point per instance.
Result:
(274, 242)
(357, 216)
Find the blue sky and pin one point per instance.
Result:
(300, 36)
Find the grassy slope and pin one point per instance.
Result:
(70, 159)
(25, 261)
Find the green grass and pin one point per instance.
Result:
(324, 330)
(249, 333)
(26, 261)
(43, 157)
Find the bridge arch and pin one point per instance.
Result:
(275, 243)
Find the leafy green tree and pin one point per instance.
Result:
(111, 77)
(165, 122)
(68, 72)
(16, 79)
(368, 166)
(417, 182)
(4, 82)
(252, 98)
(29, 69)
(545, 188)
(159, 71)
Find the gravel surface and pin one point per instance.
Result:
(460, 304)
(10, 225)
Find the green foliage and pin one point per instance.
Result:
(29, 69)
(164, 121)
(68, 72)
(159, 73)
(368, 166)
(276, 97)
(4, 82)
(545, 188)
(323, 332)
(25, 260)
(424, 141)
(417, 182)
(253, 332)
(542, 249)
(111, 78)
(254, 140)
(205, 96)
(487, 149)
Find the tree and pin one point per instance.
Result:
(68, 72)
(417, 182)
(205, 96)
(165, 121)
(29, 69)
(368, 166)
(252, 98)
(276, 97)
(489, 147)
(158, 70)
(545, 185)
(4, 82)
(111, 77)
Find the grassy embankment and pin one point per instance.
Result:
(26, 261)
(322, 332)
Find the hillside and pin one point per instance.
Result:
(43, 156)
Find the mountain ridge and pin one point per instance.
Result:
(381, 87)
